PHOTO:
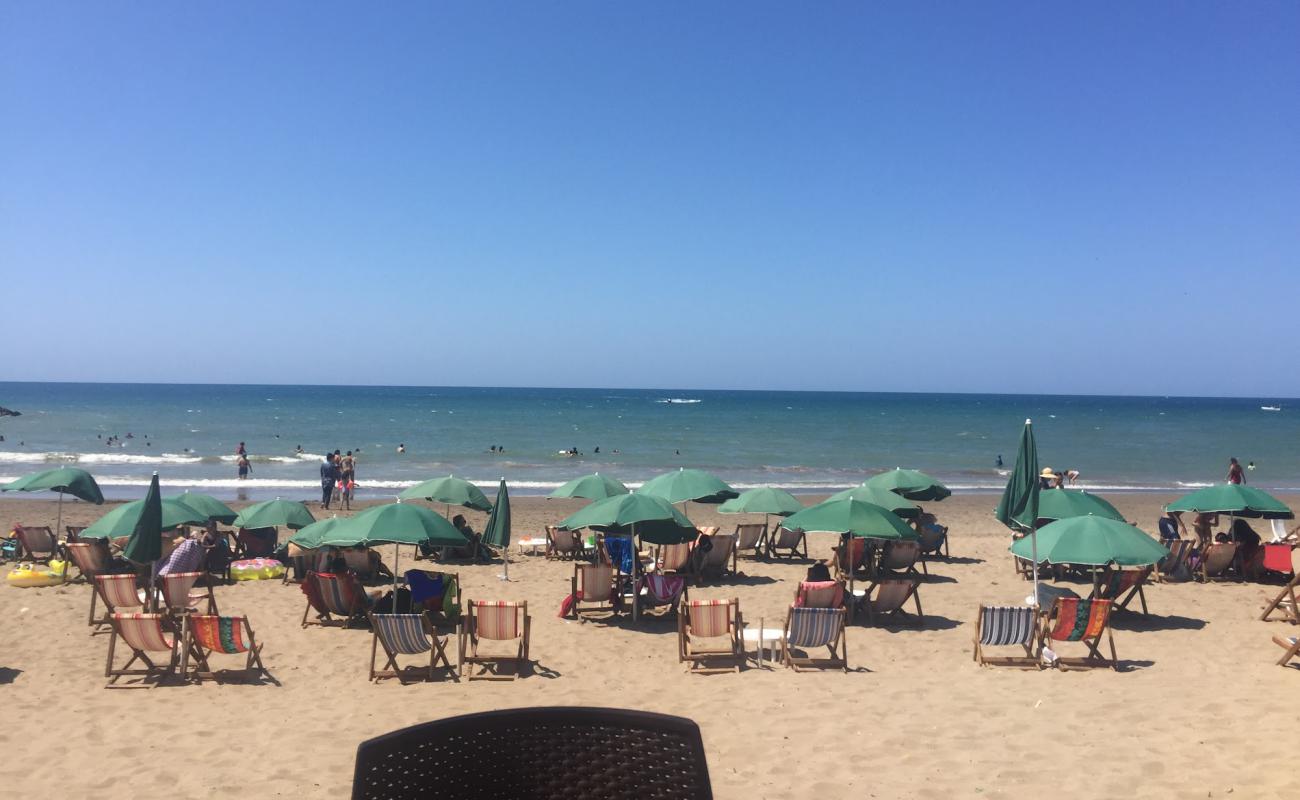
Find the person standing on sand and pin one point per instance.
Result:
(1235, 473)
(328, 475)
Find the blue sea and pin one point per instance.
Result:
(804, 441)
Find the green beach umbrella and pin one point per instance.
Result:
(1018, 506)
(450, 491)
(1235, 499)
(1093, 541)
(884, 498)
(309, 537)
(122, 520)
(852, 517)
(209, 506)
(497, 532)
(1054, 504)
(64, 480)
(591, 487)
(652, 518)
(275, 514)
(910, 483)
(685, 485)
(764, 500)
(397, 524)
(145, 543)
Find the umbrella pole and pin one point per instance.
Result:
(636, 560)
(397, 559)
(58, 525)
(1033, 545)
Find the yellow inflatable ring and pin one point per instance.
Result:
(26, 576)
(256, 569)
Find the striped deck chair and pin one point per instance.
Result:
(657, 591)
(933, 538)
(1075, 620)
(178, 595)
(714, 563)
(673, 557)
(815, 627)
(819, 594)
(856, 562)
(1291, 644)
(493, 621)
(562, 544)
(144, 634)
(1285, 604)
(787, 544)
(902, 557)
(209, 633)
(1215, 561)
(119, 594)
(1005, 626)
(1120, 585)
(710, 619)
(300, 561)
(409, 635)
(887, 596)
(92, 558)
(36, 543)
(595, 585)
(366, 564)
(437, 592)
(337, 599)
(750, 539)
(1173, 567)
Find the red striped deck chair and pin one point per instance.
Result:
(710, 620)
(673, 557)
(493, 621)
(592, 589)
(406, 635)
(1173, 567)
(179, 596)
(814, 627)
(1072, 619)
(787, 544)
(36, 543)
(819, 594)
(562, 544)
(1285, 604)
(1291, 644)
(1120, 585)
(715, 563)
(144, 634)
(209, 634)
(92, 558)
(1215, 561)
(750, 539)
(1007, 626)
(659, 591)
(337, 599)
(856, 563)
(902, 557)
(119, 593)
(887, 596)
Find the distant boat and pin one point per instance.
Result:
(1270, 408)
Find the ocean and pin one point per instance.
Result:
(807, 442)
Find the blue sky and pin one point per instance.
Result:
(907, 196)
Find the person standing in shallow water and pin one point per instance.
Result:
(328, 475)
(1235, 472)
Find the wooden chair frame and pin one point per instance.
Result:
(1126, 592)
(562, 544)
(178, 657)
(869, 604)
(1285, 603)
(1032, 659)
(1094, 657)
(1291, 646)
(794, 543)
(577, 588)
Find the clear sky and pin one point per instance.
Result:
(1095, 198)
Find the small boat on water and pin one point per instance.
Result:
(1270, 408)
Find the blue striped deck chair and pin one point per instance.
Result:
(406, 635)
(1007, 626)
(815, 627)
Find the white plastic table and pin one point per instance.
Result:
(761, 638)
(531, 545)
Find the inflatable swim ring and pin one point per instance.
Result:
(28, 575)
(256, 569)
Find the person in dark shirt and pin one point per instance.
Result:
(329, 474)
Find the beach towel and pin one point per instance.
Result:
(1078, 619)
(663, 589)
(186, 557)
(820, 594)
(622, 553)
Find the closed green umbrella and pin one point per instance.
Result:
(396, 524)
(122, 520)
(64, 480)
(1093, 541)
(144, 546)
(1236, 499)
(884, 498)
(497, 532)
(1054, 504)
(852, 517)
(685, 485)
(309, 537)
(275, 514)
(209, 506)
(910, 483)
(1018, 506)
(591, 487)
(450, 491)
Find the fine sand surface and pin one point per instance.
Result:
(1198, 710)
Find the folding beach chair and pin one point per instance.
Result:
(410, 635)
(493, 621)
(902, 557)
(708, 530)
(1005, 626)
(437, 592)
(255, 543)
(787, 544)
(209, 634)
(1291, 644)
(1071, 619)
(887, 596)
(562, 544)
(36, 543)
(815, 627)
(337, 599)
(178, 596)
(933, 538)
(673, 558)
(144, 634)
(595, 585)
(1277, 559)
(658, 591)
(1174, 565)
(366, 564)
(72, 533)
(92, 558)
(1215, 561)
(852, 562)
(820, 594)
(750, 539)
(713, 620)
(621, 754)
(1285, 604)
(1120, 585)
(119, 594)
(719, 559)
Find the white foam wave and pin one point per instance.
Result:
(96, 458)
(679, 400)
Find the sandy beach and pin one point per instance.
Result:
(1198, 710)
